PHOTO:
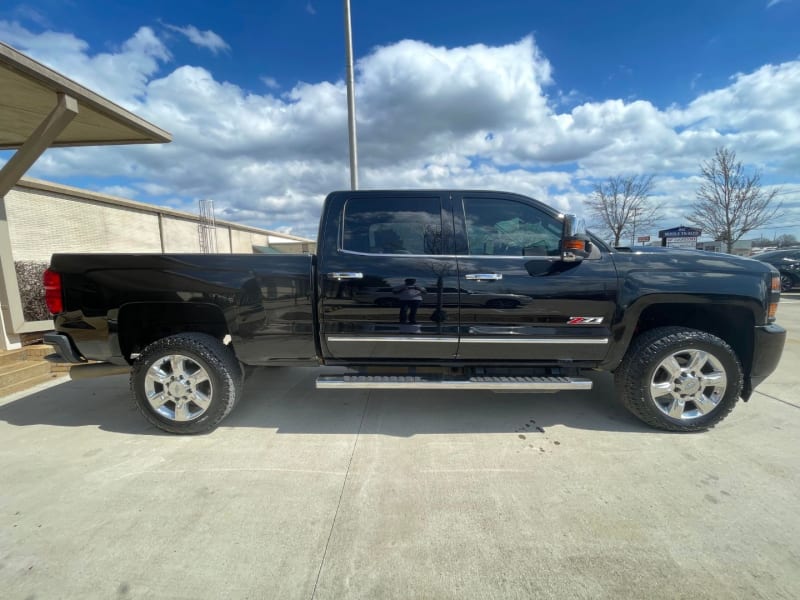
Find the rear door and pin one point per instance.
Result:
(519, 301)
(386, 282)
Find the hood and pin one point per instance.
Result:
(653, 257)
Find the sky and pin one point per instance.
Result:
(541, 98)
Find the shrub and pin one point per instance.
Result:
(31, 289)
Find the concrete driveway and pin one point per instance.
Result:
(341, 494)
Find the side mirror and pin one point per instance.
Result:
(575, 243)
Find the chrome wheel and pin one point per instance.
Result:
(178, 387)
(787, 283)
(688, 384)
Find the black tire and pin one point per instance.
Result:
(219, 389)
(644, 364)
(787, 282)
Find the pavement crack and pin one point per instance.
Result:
(341, 495)
(778, 399)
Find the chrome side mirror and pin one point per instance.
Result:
(575, 243)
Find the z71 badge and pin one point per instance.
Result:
(585, 320)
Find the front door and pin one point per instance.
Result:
(519, 301)
(387, 287)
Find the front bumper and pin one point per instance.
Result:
(65, 349)
(767, 348)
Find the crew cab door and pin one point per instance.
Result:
(384, 273)
(519, 300)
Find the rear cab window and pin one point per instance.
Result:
(392, 225)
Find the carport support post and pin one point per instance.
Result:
(65, 110)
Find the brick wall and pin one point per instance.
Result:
(44, 221)
(41, 223)
(243, 241)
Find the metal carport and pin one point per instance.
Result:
(39, 109)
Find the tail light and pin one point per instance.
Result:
(775, 296)
(52, 292)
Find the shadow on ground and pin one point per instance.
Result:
(285, 399)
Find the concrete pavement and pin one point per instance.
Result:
(354, 494)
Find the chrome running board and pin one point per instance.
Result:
(417, 382)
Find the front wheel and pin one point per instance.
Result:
(679, 379)
(186, 383)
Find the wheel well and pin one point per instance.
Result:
(733, 324)
(142, 323)
(790, 274)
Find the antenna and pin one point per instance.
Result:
(207, 228)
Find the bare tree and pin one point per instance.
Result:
(621, 204)
(763, 242)
(729, 202)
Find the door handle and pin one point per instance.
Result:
(484, 276)
(340, 276)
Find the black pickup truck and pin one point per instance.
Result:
(426, 290)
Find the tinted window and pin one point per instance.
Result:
(502, 227)
(778, 256)
(393, 225)
(768, 255)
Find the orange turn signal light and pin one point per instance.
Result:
(574, 245)
(772, 311)
(776, 283)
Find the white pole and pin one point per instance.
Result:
(351, 98)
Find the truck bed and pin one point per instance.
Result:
(264, 302)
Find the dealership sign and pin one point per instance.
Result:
(680, 232)
(688, 243)
(680, 237)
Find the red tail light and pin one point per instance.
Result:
(52, 292)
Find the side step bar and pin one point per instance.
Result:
(416, 382)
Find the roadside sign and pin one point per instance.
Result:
(687, 243)
(680, 232)
(643, 238)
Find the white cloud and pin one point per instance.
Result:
(28, 13)
(205, 39)
(476, 116)
(270, 82)
(121, 75)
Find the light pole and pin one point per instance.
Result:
(351, 98)
(633, 231)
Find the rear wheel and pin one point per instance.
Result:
(186, 383)
(679, 379)
(787, 283)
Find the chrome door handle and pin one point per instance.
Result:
(340, 276)
(484, 277)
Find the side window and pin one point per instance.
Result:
(393, 226)
(501, 227)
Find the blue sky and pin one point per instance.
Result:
(544, 98)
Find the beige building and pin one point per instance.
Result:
(44, 218)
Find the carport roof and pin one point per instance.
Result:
(28, 93)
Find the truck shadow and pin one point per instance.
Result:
(285, 400)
